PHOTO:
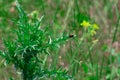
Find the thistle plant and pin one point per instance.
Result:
(25, 51)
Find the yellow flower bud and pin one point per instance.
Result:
(95, 26)
(34, 14)
(92, 32)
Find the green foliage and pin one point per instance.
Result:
(31, 43)
(92, 55)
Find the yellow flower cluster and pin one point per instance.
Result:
(90, 27)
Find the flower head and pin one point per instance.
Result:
(85, 24)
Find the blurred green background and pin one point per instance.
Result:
(64, 17)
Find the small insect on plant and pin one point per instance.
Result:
(26, 50)
(71, 36)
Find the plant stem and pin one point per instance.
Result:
(116, 29)
(101, 68)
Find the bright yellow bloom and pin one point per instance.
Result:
(95, 26)
(85, 24)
